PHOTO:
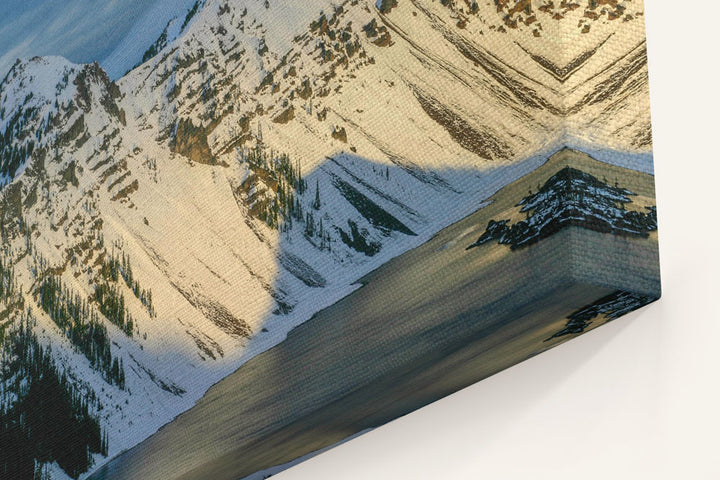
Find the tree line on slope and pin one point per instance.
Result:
(281, 207)
(80, 323)
(116, 267)
(44, 416)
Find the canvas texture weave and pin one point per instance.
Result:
(237, 232)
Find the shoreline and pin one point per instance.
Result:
(309, 325)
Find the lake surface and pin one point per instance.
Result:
(424, 325)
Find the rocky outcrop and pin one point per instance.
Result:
(571, 198)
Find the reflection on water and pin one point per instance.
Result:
(611, 307)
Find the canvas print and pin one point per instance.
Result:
(235, 233)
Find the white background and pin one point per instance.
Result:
(638, 398)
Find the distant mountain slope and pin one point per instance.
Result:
(185, 216)
(161, 22)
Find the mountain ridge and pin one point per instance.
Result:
(325, 139)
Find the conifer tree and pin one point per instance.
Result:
(316, 204)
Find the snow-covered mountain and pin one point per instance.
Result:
(162, 228)
(162, 23)
(572, 197)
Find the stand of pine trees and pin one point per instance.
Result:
(285, 206)
(9, 295)
(81, 325)
(284, 209)
(44, 417)
(113, 269)
(13, 155)
(112, 305)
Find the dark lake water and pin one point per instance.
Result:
(432, 321)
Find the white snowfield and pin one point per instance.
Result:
(403, 126)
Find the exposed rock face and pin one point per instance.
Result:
(218, 167)
(191, 142)
(386, 6)
(583, 13)
(340, 134)
(571, 198)
(285, 116)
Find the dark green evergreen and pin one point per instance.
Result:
(44, 417)
(15, 147)
(80, 324)
(287, 182)
(113, 269)
(316, 204)
(191, 13)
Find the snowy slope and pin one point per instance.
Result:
(270, 154)
(160, 15)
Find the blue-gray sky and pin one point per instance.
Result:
(80, 30)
